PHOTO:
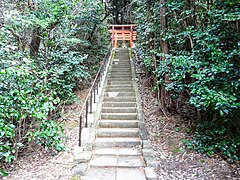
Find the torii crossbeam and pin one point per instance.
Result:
(124, 33)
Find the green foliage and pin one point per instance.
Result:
(32, 91)
(203, 63)
(219, 138)
(209, 69)
(26, 102)
(148, 29)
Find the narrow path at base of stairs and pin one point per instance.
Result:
(117, 153)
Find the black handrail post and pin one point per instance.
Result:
(80, 132)
(86, 123)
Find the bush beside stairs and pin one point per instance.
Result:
(119, 150)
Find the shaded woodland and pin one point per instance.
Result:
(48, 50)
(191, 51)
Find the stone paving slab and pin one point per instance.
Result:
(150, 173)
(131, 152)
(119, 104)
(130, 161)
(117, 116)
(81, 157)
(114, 160)
(128, 89)
(118, 151)
(101, 174)
(119, 110)
(106, 151)
(130, 174)
(115, 174)
(117, 142)
(114, 94)
(104, 161)
(118, 124)
(120, 99)
(118, 132)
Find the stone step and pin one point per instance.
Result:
(122, 61)
(119, 104)
(120, 72)
(119, 75)
(121, 58)
(120, 69)
(118, 151)
(101, 173)
(119, 116)
(120, 79)
(129, 89)
(117, 94)
(129, 74)
(122, 86)
(119, 110)
(115, 82)
(117, 161)
(118, 124)
(120, 99)
(122, 65)
(126, 65)
(117, 142)
(118, 132)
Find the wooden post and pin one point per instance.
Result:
(131, 36)
(112, 35)
(115, 40)
(122, 32)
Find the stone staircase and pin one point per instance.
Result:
(117, 149)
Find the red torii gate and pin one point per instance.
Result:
(124, 33)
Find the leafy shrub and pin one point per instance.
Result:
(33, 90)
(25, 105)
(217, 137)
(203, 64)
(66, 71)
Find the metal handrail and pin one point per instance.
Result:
(91, 96)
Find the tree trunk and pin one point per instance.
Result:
(35, 43)
(165, 96)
